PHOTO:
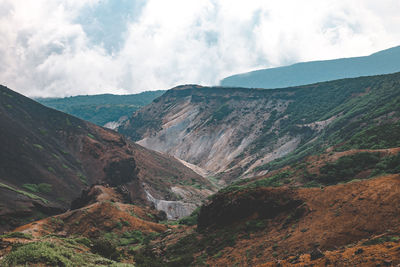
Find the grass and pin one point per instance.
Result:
(82, 178)
(38, 188)
(27, 194)
(55, 253)
(17, 235)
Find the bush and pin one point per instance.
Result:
(132, 237)
(345, 168)
(106, 248)
(191, 219)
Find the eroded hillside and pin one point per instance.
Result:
(236, 132)
(48, 158)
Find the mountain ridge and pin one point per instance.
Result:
(236, 131)
(302, 73)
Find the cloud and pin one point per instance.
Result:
(70, 47)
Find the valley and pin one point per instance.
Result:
(207, 176)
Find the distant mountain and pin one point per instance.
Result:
(383, 62)
(48, 157)
(240, 132)
(104, 110)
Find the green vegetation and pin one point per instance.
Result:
(101, 109)
(38, 188)
(30, 195)
(388, 164)
(61, 252)
(40, 147)
(272, 181)
(222, 112)
(366, 111)
(182, 252)
(91, 136)
(191, 219)
(381, 240)
(345, 168)
(17, 235)
(82, 178)
(375, 137)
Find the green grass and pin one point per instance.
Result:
(17, 235)
(27, 194)
(82, 178)
(59, 253)
(38, 188)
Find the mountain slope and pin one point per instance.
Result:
(245, 132)
(352, 224)
(382, 62)
(48, 158)
(107, 109)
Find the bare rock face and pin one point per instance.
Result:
(174, 209)
(225, 131)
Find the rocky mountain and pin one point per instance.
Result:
(240, 132)
(104, 110)
(382, 62)
(49, 157)
(332, 199)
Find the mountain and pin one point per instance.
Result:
(332, 198)
(104, 110)
(240, 132)
(382, 62)
(49, 157)
(352, 224)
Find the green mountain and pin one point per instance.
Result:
(383, 62)
(101, 109)
(239, 132)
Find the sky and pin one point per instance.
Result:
(57, 48)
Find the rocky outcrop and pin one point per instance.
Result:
(174, 209)
(219, 130)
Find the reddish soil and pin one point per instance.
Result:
(42, 145)
(336, 216)
(102, 214)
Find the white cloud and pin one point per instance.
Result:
(45, 50)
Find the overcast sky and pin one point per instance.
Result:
(71, 47)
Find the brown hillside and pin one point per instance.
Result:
(48, 158)
(255, 226)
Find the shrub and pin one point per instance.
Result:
(345, 168)
(17, 235)
(106, 248)
(191, 219)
